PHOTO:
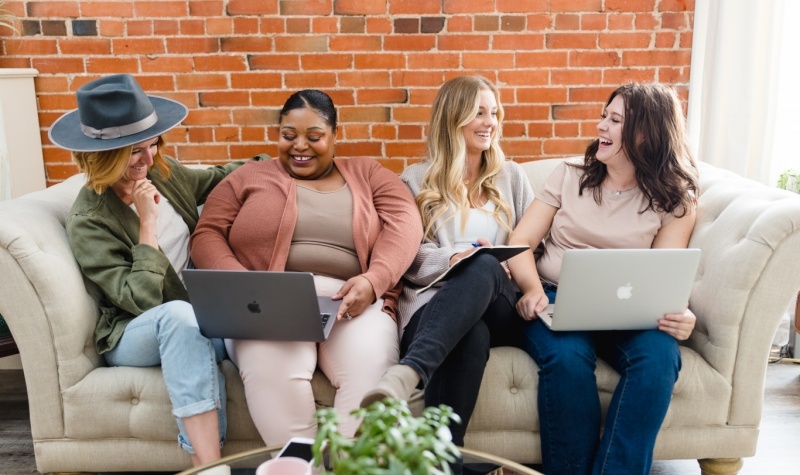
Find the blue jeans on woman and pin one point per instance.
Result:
(447, 341)
(648, 362)
(168, 335)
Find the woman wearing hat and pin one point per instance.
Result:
(129, 231)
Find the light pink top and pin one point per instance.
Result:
(581, 223)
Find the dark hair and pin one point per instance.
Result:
(655, 141)
(314, 99)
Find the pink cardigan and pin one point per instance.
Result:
(249, 219)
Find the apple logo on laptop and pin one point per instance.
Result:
(625, 292)
(254, 307)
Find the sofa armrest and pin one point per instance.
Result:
(749, 235)
(45, 301)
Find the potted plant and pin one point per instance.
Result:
(390, 440)
(789, 180)
(7, 18)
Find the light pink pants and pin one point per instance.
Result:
(277, 375)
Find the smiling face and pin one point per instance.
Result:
(610, 130)
(306, 144)
(140, 161)
(478, 133)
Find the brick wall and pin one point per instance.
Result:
(233, 63)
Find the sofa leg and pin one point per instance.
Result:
(720, 466)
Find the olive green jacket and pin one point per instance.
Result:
(103, 233)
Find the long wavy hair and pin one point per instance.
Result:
(106, 167)
(655, 140)
(456, 104)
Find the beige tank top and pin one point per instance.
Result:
(322, 242)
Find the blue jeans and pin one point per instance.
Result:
(447, 341)
(168, 335)
(569, 405)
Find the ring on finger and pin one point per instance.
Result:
(347, 315)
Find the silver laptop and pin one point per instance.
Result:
(621, 289)
(259, 305)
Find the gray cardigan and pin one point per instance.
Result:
(433, 256)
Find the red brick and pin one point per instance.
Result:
(364, 114)
(405, 149)
(593, 21)
(570, 129)
(589, 94)
(542, 59)
(571, 40)
(411, 114)
(518, 42)
(256, 116)
(310, 80)
(51, 84)
(298, 25)
(526, 112)
(268, 98)
(355, 43)
(252, 134)
(624, 40)
(544, 129)
(252, 7)
(272, 25)
(594, 59)
(242, 152)
(486, 23)
(572, 77)
(487, 60)
(459, 24)
(107, 27)
(326, 61)
(353, 25)
(305, 7)
(393, 164)
(49, 65)
(138, 46)
(417, 78)
(383, 131)
(433, 60)
(675, 21)
(196, 82)
(166, 64)
(84, 46)
(381, 61)
(464, 42)
(224, 99)
(201, 134)
(666, 40)
(362, 79)
(630, 5)
(576, 6)
(382, 96)
(521, 77)
(35, 47)
(253, 80)
(220, 63)
(213, 117)
(656, 58)
(247, 44)
(341, 97)
(283, 62)
(246, 26)
(186, 27)
(414, 7)
(301, 43)
(674, 75)
(219, 26)
(109, 65)
(53, 9)
(464, 6)
(206, 8)
(139, 28)
(521, 6)
(62, 102)
(513, 129)
(409, 43)
(521, 147)
(116, 9)
(202, 152)
(567, 21)
(162, 8)
(359, 7)
(676, 5)
(378, 26)
(353, 132)
(359, 149)
(541, 95)
(565, 147)
(193, 45)
(646, 21)
(540, 22)
(409, 132)
(622, 75)
(621, 22)
(324, 25)
(57, 172)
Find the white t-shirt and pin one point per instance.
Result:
(480, 223)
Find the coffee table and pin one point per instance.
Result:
(245, 463)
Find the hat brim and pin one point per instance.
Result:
(66, 131)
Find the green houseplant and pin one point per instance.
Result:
(789, 180)
(390, 440)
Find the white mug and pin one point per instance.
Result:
(284, 466)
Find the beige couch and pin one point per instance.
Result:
(87, 417)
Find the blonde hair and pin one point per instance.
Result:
(106, 167)
(456, 105)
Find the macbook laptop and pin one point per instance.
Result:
(621, 289)
(259, 305)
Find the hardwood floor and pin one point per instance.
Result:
(778, 445)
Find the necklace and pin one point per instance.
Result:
(619, 192)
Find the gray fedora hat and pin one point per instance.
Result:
(114, 112)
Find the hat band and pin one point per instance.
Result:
(122, 130)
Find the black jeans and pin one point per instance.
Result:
(447, 341)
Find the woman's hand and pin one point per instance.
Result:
(531, 304)
(146, 197)
(356, 294)
(463, 254)
(679, 325)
